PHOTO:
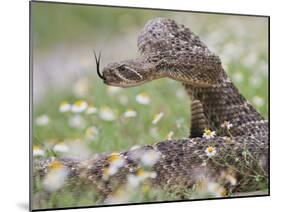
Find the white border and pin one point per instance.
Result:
(14, 103)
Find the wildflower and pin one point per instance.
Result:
(76, 122)
(116, 160)
(42, 120)
(150, 157)
(77, 149)
(91, 110)
(112, 90)
(64, 107)
(258, 101)
(79, 106)
(226, 125)
(130, 113)
(157, 118)
(81, 87)
(170, 135)
(109, 171)
(61, 148)
(56, 177)
(143, 99)
(107, 114)
(133, 180)
(115, 163)
(91, 133)
(216, 190)
(37, 151)
(210, 151)
(209, 134)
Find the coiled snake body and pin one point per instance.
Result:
(173, 51)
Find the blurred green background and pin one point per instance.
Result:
(64, 37)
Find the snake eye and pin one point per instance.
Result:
(122, 67)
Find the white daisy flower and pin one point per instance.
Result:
(143, 99)
(150, 157)
(107, 114)
(216, 189)
(91, 133)
(76, 122)
(157, 117)
(91, 110)
(56, 177)
(210, 151)
(115, 163)
(133, 180)
(77, 149)
(258, 101)
(130, 113)
(42, 120)
(61, 148)
(37, 151)
(64, 107)
(226, 125)
(209, 134)
(79, 106)
(112, 90)
(116, 160)
(170, 135)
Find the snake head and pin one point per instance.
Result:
(128, 73)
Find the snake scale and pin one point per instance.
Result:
(173, 51)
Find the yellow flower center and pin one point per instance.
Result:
(36, 148)
(55, 165)
(140, 172)
(79, 103)
(210, 149)
(113, 157)
(143, 95)
(208, 132)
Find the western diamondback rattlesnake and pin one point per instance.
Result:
(241, 159)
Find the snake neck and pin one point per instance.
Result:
(223, 103)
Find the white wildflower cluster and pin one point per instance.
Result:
(130, 113)
(116, 161)
(76, 121)
(61, 147)
(143, 98)
(55, 177)
(134, 180)
(207, 188)
(107, 114)
(226, 125)
(150, 157)
(157, 118)
(208, 134)
(210, 151)
(37, 151)
(92, 133)
(42, 120)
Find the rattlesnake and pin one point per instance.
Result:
(240, 162)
